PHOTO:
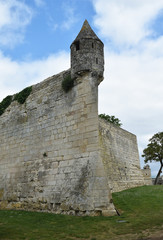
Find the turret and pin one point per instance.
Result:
(87, 53)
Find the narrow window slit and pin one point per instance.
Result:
(77, 45)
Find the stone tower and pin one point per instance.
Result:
(87, 53)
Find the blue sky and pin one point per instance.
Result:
(53, 26)
(35, 36)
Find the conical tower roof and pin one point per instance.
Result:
(86, 32)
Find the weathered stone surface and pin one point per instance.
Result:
(56, 154)
(51, 161)
(147, 175)
(120, 157)
(87, 53)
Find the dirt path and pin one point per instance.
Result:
(145, 235)
(157, 235)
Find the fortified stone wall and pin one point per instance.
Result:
(49, 150)
(120, 157)
(56, 154)
(147, 175)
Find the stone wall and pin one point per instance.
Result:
(147, 175)
(120, 157)
(58, 156)
(50, 151)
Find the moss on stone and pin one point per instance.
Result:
(67, 83)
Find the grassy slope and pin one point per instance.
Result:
(141, 208)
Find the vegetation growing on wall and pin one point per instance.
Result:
(5, 103)
(67, 83)
(20, 97)
(111, 119)
(45, 154)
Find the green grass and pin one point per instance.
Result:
(141, 209)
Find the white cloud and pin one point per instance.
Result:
(14, 17)
(133, 85)
(126, 22)
(132, 89)
(153, 47)
(70, 17)
(14, 76)
(4, 16)
(68, 20)
(39, 3)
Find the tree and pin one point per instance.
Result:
(111, 119)
(154, 152)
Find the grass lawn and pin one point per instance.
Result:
(141, 213)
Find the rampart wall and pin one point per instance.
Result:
(147, 176)
(56, 154)
(120, 157)
(50, 151)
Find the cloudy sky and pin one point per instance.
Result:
(35, 36)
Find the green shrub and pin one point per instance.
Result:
(22, 96)
(111, 119)
(67, 83)
(5, 103)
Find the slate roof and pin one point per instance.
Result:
(86, 32)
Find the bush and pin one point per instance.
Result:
(22, 96)
(67, 83)
(5, 103)
(111, 119)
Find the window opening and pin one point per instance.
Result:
(77, 45)
(96, 60)
(92, 45)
